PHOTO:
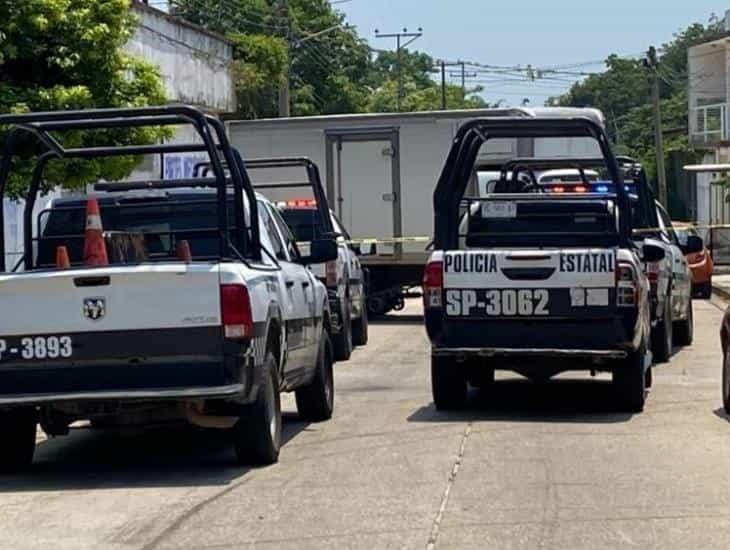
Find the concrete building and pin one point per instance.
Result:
(195, 63)
(709, 131)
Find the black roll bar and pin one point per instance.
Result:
(314, 181)
(41, 124)
(473, 134)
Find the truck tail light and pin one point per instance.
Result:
(627, 286)
(433, 285)
(652, 273)
(236, 314)
(331, 274)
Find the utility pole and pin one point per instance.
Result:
(284, 83)
(443, 85)
(463, 74)
(652, 64)
(399, 47)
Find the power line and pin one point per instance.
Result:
(399, 47)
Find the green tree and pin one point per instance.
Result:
(66, 54)
(327, 69)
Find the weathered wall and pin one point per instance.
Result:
(195, 63)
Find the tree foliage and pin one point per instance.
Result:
(333, 71)
(66, 54)
(623, 93)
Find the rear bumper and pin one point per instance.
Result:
(601, 336)
(233, 391)
(537, 353)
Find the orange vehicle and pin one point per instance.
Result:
(700, 263)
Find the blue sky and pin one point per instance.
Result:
(542, 33)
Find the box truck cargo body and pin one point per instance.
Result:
(380, 171)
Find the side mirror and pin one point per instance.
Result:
(693, 245)
(653, 253)
(320, 251)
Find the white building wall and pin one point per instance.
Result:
(195, 64)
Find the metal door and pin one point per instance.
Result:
(363, 178)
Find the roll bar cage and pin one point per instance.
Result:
(314, 181)
(472, 135)
(581, 164)
(210, 130)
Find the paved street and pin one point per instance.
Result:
(525, 467)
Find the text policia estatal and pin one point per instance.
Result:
(570, 262)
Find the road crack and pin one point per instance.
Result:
(436, 526)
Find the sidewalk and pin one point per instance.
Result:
(721, 285)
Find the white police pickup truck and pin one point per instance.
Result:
(193, 319)
(533, 282)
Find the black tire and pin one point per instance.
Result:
(479, 374)
(684, 330)
(448, 383)
(257, 435)
(661, 338)
(726, 383)
(18, 434)
(360, 326)
(342, 342)
(703, 291)
(629, 380)
(649, 378)
(316, 401)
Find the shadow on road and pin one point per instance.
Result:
(176, 456)
(519, 400)
(722, 414)
(394, 320)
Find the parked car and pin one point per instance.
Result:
(680, 291)
(725, 343)
(700, 263)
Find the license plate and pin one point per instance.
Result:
(35, 348)
(499, 209)
(498, 303)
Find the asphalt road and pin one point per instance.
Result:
(526, 466)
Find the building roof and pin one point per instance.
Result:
(141, 6)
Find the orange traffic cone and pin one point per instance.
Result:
(62, 259)
(183, 251)
(94, 245)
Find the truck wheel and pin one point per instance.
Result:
(342, 342)
(257, 435)
(685, 329)
(629, 379)
(726, 384)
(19, 431)
(662, 335)
(360, 326)
(480, 375)
(315, 402)
(703, 291)
(448, 383)
(649, 378)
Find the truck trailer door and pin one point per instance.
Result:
(362, 182)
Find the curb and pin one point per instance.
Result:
(723, 293)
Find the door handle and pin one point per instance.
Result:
(289, 284)
(305, 284)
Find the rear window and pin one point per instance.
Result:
(161, 223)
(539, 223)
(305, 223)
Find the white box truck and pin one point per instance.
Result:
(380, 171)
